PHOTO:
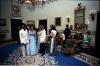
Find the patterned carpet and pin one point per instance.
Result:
(16, 59)
(11, 55)
(91, 60)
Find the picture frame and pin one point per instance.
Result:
(58, 21)
(16, 10)
(30, 22)
(2, 22)
(79, 15)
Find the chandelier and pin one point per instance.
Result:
(33, 2)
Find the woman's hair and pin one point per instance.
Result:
(53, 27)
(32, 26)
(41, 26)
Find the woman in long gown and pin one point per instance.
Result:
(32, 41)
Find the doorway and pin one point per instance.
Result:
(15, 27)
(43, 22)
(97, 38)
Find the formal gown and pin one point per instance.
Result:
(32, 42)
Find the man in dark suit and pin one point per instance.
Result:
(67, 32)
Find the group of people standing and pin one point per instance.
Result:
(32, 41)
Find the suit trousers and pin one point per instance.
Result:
(24, 50)
(42, 48)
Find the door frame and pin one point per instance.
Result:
(14, 27)
(45, 25)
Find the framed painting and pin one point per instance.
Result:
(30, 22)
(16, 10)
(58, 21)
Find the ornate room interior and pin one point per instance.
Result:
(82, 16)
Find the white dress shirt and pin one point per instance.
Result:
(42, 36)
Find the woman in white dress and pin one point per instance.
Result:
(32, 41)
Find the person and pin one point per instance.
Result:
(80, 40)
(87, 38)
(24, 40)
(51, 26)
(76, 36)
(42, 39)
(53, 40)
(62, 36)
(71, 27)
(32, 40)
(80, 37)
(67, 32)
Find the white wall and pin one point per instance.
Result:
(60, 8)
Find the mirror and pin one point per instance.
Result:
(79, 13)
